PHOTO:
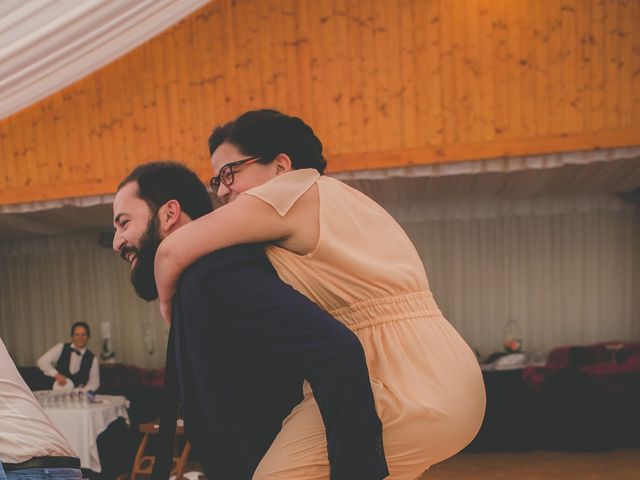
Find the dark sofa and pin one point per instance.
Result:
(584, 399)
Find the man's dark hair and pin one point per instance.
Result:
(85, 325)
(159, 182)
(266, 133)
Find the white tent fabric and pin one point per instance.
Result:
(568, 276)
(48, 283)
(497, 165)
(568, 188)
(469, 208)
(555, 249)
(46, 45)
(612, 170)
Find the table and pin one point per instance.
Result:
(82, 423)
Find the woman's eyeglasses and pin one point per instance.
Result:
(226, 175)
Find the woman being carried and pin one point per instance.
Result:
(347, 254)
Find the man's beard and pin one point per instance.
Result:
(142, 274)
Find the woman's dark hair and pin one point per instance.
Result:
(84, 325)
(159, 182)
(266, 133)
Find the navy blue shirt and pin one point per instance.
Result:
(242, 342)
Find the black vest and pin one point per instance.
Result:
(81, 377)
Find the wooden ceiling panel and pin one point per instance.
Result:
(382, 83)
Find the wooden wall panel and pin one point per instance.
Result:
(384, 83)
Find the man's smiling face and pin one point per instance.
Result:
(80, 337)
(137, 238)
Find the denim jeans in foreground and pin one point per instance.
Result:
(41, 474)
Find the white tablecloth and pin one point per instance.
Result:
(81, 425)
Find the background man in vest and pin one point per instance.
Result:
(72, 364)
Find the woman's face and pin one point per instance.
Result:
(245, 176)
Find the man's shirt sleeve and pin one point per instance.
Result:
(48, 359)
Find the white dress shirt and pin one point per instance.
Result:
(47, 363)
(25, 430)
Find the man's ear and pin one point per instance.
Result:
(283, 163)
(168, 215)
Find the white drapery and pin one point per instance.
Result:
(566, 278)
(610, 170)
(46, 45)
(566, 268)
(504, 165)
(48, 283)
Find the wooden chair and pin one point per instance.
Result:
(143, 464)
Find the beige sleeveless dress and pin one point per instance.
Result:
(365, 272)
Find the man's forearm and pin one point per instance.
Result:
(327, 353)
(342, 390)
(46, 361)
(339, 377)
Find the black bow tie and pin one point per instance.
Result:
(78, 352)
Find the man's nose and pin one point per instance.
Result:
(118, 242)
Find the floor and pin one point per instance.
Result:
(614, 465)
(540, 465)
